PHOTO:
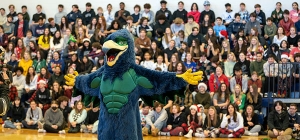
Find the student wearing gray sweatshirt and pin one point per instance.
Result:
(252, 23)
(33, 116)
(53, 120)
(60, 14)
(155, 120)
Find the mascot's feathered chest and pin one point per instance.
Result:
(115, 93)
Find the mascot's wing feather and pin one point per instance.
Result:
(166, 84)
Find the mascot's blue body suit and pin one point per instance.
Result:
(120, 83)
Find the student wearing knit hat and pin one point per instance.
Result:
(284, 73)
(202, 97)
(194, 121)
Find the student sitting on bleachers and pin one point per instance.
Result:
(238, 79)
(238, 98)
(284, 73)
(221, 99)
(254, 98)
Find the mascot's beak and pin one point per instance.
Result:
(113, 51)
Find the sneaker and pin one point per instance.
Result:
(265, 95)
(62, 132)
(253, 134)
(213, 135)
(41, 131)
(199, 135)
(230, 136)
(274, 95)
(180, 134)
(223, 136)
(18, 127)
(2, 125)
(81, 130)
(40, 125)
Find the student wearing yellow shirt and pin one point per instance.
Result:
(44, 42)
(26, 62)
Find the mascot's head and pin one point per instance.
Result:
(119, 53)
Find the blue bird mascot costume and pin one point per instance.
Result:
(119, 85)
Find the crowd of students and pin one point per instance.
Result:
(241, 54)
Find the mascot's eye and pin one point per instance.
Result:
(121, 41)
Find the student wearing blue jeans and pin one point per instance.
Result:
(155, 120)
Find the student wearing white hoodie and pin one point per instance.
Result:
(232, 125)
(19, 80)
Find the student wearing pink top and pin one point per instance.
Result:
(294, 12)
(294, 51)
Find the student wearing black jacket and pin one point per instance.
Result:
(251, 124)
(86, 65)
(278, 122)
(208, 12)
(174, 123)
(17, 115)
(91, 118)
(43, 97)
(65, 109)
(88, 14)
(164, 10)
(180, 12)
(160, 26)
(53, 27)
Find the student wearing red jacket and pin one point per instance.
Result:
(216, 79)
(286, 23)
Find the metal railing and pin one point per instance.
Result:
(283, 78)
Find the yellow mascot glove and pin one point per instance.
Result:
(70, 78)
(191, 78)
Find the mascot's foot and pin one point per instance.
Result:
(145, 131)
(154, 132)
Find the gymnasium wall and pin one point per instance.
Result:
(50, 6)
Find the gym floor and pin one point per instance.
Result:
(26, 134)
